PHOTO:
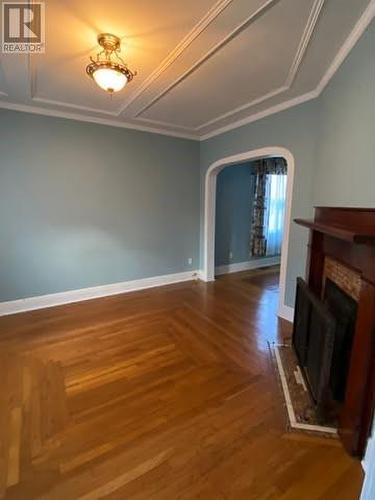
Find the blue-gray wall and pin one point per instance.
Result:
(345, 173)
(84, 205)
(234, 202)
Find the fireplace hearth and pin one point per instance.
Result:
(334, 327)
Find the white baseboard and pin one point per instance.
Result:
(201, 275)
(286, 312)
(57, 299)
(248, 265)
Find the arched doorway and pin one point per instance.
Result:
(208, 271)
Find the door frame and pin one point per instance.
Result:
(208, 271)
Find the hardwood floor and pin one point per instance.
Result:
(163, 394)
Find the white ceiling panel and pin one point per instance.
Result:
(203, 66)
(248, 68)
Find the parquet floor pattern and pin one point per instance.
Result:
(163, 394)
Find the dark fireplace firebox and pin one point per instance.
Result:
(344, 310)
(322, 338)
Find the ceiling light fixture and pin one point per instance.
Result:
(109, 71)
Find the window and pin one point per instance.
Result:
(274, 220)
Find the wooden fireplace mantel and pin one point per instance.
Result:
(347, 233)
(355, 225)
(348, 236)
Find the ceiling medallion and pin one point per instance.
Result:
(109, 71)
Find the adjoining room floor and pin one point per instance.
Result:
(163, 394)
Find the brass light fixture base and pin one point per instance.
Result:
(109, 59)
(109, 42)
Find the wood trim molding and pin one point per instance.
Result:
(57, 299)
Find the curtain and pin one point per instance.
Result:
(263, 170)
(258, 237)
(274, 220)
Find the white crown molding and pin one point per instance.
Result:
(259, 100)
(26, 108)
(292, 73)
(202, 24)
(297, 61)
(213, 50)
(247, 265)
(160, 123)
(356, 33)
(210, 16)
(262, 114)
(250, 104)
(192, 134)
(52, 102)
(305, 40)
(58, 299)
(358, 30)
(221, 117)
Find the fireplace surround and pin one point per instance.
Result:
(341, 274)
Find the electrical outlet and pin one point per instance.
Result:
(190, 261)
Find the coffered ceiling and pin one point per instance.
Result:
(203, 66)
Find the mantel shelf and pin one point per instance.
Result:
(347, 233)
